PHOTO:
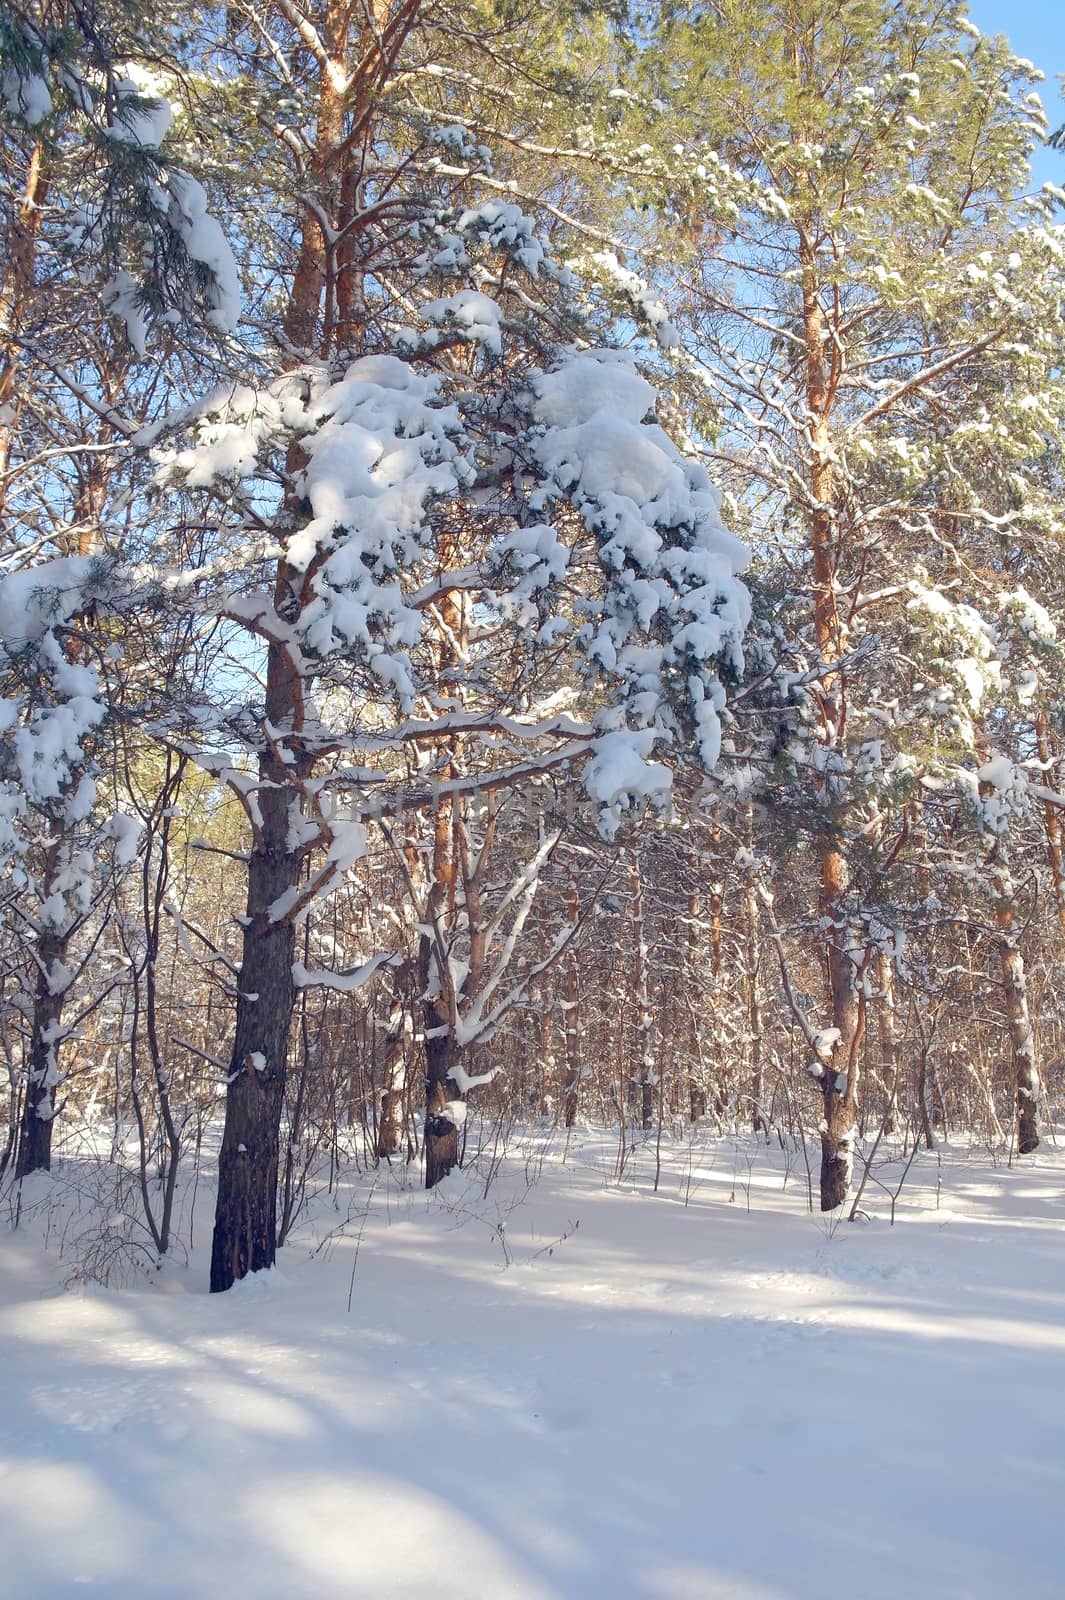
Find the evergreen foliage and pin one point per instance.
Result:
(571, 500)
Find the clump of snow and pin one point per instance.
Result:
(965, 646)
(504, 226)
(995, 793)
(619, 775)
(126, 832)
(123, 298)
(999, 772)
(347, 845)
(205, 242)
(646, 302)
(344, 982)
(268, 1281)
(825, 1041)
(474, 315)
(146, 123)
(46, 724)
(465, 1081)
(1033, 619)
(461, 143)
(42, 597)
(673, 607)
(540, 558)
(26, 95)
(591, 384)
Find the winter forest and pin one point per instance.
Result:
(532, 728)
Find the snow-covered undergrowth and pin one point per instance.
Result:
(573, 1389)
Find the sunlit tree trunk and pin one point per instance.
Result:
(571, 990)
(39, 1104)
(643, 1075)
(245, 1234)
(392, 1095)
(840, 1079)
(442, 1094)
(751, 959)
(887, 1036)
(16, 284)
(1025, 1071)
(696, 1008)
(1051, 819)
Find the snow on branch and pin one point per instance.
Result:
(348, 982)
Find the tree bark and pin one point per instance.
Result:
(395, 1075)
(643, 1083)
(245, 1230)
(572, 1005)
(441, 1128)
(39, 1107)
(716, 898)
(754, 1009)
(1025, 1072)
(840, 1078)
(889, 1067)
(1015, 1001)
(16, 285)
(1051, 817)
(839, 1082)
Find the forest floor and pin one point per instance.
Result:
(577, 1388)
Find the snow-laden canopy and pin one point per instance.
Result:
(601, 530)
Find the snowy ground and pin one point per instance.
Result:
(679, 1401)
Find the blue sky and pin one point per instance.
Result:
(1036, 29)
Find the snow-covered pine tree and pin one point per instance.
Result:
(434, 505)
(108, 236)
(847, 182)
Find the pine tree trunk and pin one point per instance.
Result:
(1015, 1000)
(718, 1069)
(42, 1081)
(1051, 818)
(547, 1080)
(923, 1097)
(245, 1230)
(839, 1082)
(643, 1085)
(889, 1071)
(1022, 1045)
(573, 1040)
(754, 1010)
(695, 984)
(923, 1087)
(441, 1129)
(392, 1097)
(840, 1078)
(39, 1107)
(17, 274)
(388, 1123)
